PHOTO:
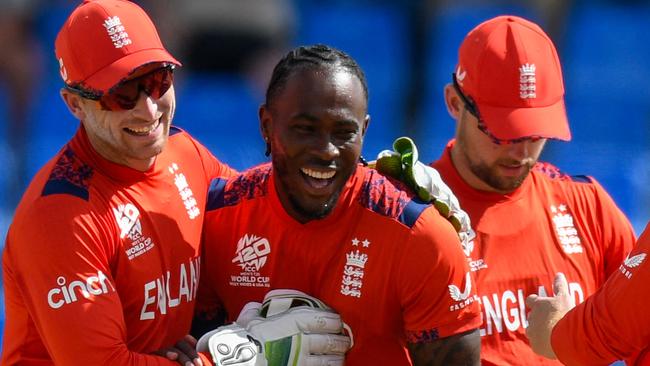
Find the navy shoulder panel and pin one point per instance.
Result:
(581, 179)
(248, 185)
(174, 130)
(69, 176)
(412, 211)
(554, 172)
(390, 199)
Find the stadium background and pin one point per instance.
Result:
(408, 51)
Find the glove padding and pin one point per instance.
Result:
(402, 163)
(289, 328)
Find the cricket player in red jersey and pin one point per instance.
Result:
(610, 325)
(102, 260)
(531, 220)
(316, 221)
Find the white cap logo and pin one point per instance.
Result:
(460, 75)
(62, 70)
(527, 86)
(116, 31)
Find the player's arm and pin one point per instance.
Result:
(440, 307)
(611, 324)
(459, 349)
(61, 261)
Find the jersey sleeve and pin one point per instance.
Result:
(437, 287)
(613, 323)
(617, 237)
(57, 267)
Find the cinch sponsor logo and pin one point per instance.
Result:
(67, 293)
(161, 294)
(509, 309)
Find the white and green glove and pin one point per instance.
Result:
(289, 328)
(402, 163)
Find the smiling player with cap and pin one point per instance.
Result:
(531, 220)
(101, 263)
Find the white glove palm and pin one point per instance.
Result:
(402, 163)
(289, 328)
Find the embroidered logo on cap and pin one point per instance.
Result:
(117, 32)
(460, 75)
(527, 86)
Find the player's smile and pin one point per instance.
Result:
(143, 130)
(319, 182)
(146, 133)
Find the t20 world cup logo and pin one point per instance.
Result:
(251, 253)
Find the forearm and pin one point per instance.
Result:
(462, 349)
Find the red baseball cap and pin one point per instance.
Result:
(511, 70)
(103, 41)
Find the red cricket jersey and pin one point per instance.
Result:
(391, 267)
(614, 323)
(101, 263)
(551, 223)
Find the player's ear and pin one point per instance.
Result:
(74, 103)
(265, 123)
(453, 102)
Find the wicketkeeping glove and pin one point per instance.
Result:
(402, 163)
(289, 328)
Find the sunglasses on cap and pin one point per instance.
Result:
(472, 108)
(125, 95)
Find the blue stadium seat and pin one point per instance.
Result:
(607, 71)
(375, 36)
(220, 110)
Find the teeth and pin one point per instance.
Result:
(318, 175)
(146, 129)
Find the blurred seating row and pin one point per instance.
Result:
(606, 67)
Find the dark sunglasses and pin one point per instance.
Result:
(125, 95)
(472, 108)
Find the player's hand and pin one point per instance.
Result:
(184, 352)
(545, 313)
(402, 163)
(289, 328)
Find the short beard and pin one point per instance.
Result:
(315, 214)
(487, 175)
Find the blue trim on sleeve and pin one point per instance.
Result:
(174, 130)
(215, 194)
(581, 179)
(64, 187)
(412, 212)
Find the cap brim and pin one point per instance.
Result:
(112, 74)
(516, 123)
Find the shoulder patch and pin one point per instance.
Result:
(248, 185)
(581, 179)
(69, 176)
(174, 130)
(389, 199)
(554, 172)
